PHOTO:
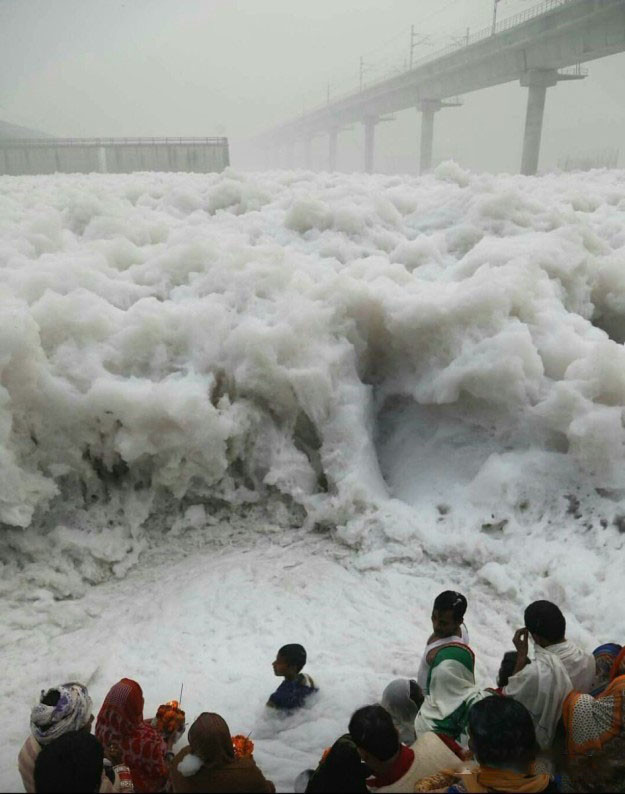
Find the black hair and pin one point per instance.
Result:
(415, 693)
(342, 770)
(71, 763)
(373, 730)
(502, 732)
(294, 655)
(51, 697)
(546, 620)
(451, 600)
(507, 666)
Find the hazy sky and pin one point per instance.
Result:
(235, 67)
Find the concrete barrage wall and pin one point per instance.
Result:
(113, 155)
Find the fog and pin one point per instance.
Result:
(236, 67)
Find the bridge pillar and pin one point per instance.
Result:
(334, 134)
(369, 122)
(537, 82)
(428, 108)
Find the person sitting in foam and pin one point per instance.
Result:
(547, 625)
(297, 686)
(448, 626)
(396, 767)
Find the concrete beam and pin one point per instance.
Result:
(537, 83)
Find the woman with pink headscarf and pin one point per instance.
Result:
(143, 749)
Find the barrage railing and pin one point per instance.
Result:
(189, 141)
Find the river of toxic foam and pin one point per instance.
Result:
(428, 369)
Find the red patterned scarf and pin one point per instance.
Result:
(121, 722)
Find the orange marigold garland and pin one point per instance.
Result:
(243, 746)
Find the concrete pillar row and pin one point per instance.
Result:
(537, 82)
(369, 122)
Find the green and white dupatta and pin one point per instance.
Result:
(451, 693)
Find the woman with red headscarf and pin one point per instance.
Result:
(143, 749)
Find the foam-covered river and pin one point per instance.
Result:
(246, 405)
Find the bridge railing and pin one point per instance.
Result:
(505, 24)
(8, 142)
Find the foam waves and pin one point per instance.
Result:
(381, 355)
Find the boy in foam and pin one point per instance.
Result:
(547, 625)
(448, 624)
(297, 686)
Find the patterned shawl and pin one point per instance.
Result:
(595, 739)
(451, 693)
(71, 713)
(590, 722)
(605, 658)
(120, 721)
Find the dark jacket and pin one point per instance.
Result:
(241, 774)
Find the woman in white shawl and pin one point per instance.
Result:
(451, 693)
(402, 699)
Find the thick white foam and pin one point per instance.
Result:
(430, 368)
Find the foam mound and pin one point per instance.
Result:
(419, 365)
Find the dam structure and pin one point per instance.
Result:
(112, 155)
(538, 48)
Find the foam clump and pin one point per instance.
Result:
(341, 346)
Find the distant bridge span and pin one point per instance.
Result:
(532, 47)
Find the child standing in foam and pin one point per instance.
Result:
(448, 624)
(297, 686)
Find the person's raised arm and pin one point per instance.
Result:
(521, 643)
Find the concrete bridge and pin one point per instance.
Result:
(112, 155)
(539, 48)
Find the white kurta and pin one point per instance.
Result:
(579, 665)
(424, 667)
(541, 687)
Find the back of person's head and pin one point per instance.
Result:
(506, 668)
(210, 740)
(546, 620)
(373, 730)
(71, 763)
(341, 770)
(61, 709)
(294, 655)
(450, 600)
(502, 733)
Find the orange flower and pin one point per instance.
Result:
(243, 746)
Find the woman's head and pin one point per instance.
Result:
(64, 708)
(501, 733)
(402, 699)
(210, 740)
(122, 710)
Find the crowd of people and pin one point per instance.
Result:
(554, 722)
